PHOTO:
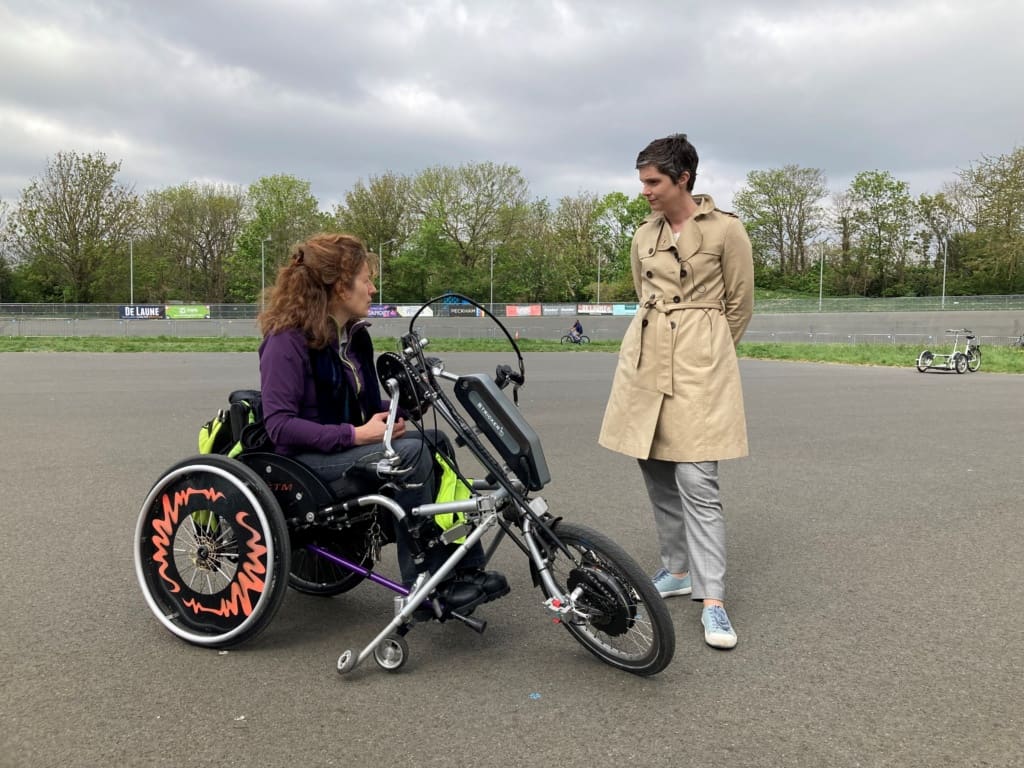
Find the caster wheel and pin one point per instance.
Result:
(346, 662)
(392, 653)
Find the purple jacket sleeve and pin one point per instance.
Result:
(289, 399)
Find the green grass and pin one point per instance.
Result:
(994, 359)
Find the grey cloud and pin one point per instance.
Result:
(567, 91)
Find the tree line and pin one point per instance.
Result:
(80, 234)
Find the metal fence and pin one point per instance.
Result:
(763, 306)
(995, 319)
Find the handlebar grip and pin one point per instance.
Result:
(504, 374)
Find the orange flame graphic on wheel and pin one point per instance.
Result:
(163, 528)
(250, 576)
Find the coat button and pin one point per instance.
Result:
(676, 299)
(649, 273)
(643, 324)
(682, 273)
(650, 251)
(673, 324)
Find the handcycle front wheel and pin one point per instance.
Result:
(211, 551)
(924, 361)
(627, 624)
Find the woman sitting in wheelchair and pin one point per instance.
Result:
(322, 403)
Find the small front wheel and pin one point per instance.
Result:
(924, 361)
(960, 362)
(622, 619)
(391, 653)
(973, 359)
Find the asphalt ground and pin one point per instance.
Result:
(876, 544)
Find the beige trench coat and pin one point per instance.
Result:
(676, 394)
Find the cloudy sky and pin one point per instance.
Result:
(569, 91)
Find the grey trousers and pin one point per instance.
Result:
(688, 516)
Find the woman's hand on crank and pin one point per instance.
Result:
(373, 430)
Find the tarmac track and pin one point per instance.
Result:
(875, 547)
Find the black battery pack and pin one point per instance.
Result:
(500, 420)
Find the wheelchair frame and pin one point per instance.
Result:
(213, 574)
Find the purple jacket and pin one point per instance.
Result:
(290, 406)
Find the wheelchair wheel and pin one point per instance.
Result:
(211, 552)
(628, 625)
(924, 361)
(314, 575)
(960, 362)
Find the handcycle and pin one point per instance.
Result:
(961, 361)
(219, 540)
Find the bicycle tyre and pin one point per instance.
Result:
(567, 339)
(584, 340)
(974, 359)
(211, 552)
(630, 627)
(924, 361)
(960, 362)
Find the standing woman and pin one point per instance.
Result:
(321, 401)
(676, 402)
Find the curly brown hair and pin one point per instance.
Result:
(301, 295)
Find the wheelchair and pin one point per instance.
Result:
(219, 540)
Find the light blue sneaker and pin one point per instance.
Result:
(669, 586)
(718, 632)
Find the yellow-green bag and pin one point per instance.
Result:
(450, 488)
(215, 435)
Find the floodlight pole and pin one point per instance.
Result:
(263, 272)
(821, 275)
(945, 258)
(380, 268)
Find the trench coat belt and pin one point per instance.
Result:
(663, 334)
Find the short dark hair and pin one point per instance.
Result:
(672, 155)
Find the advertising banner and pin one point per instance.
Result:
(383, 310)
(187, 312)
(408, 310)
(553, 310)
(624, 309)
(594, 309)
(522, 310)
(463, 310)
(142, 312)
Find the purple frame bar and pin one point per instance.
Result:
(356, 568)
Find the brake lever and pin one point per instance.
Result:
(390, 453)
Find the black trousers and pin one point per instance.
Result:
(416, 450)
